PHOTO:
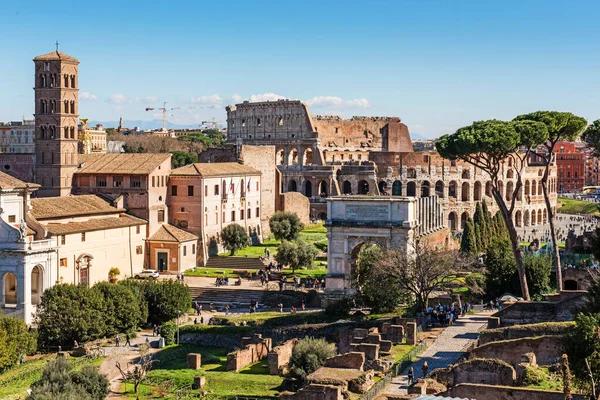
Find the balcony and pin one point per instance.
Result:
(41, 244)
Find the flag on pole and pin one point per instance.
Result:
(249, 179)
(231, 186)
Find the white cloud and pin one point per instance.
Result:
(237, 98)
(266, 97)
(146, 99)
(87, 96)
(214, 99)
(337, 102)
(117, 98)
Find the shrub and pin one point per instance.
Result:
(308, 355)
(296, 255)
(234, 238)
(285, 225)
(138, 289)
(165, 299)
(15, 340)
(121, 309)
(340, 308)
(59, 381)
(113, 274)
(167, 331)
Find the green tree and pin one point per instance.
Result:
(285, 225)
(122, 313)
(166, 300)
(480, 222)
(380, 292)
(538, 270)
(181, 158)
(487, 145)
(561, 126)
(296, 255)
(308, 355)
(15, 340)
(489, 231)
(138, 288)
(500, 267)
(468, 243)
(60, 382)
(582, 343)
(592, 300)
(234, 238)
(67, 313)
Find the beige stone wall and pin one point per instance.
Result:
(487, 392)
(547, 350)
(279, 357)
(296, 203)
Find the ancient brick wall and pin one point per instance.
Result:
(524, 331)
(539, 311)
(296, 203)
(262, 158)
(21, 166)
(477, 391)
(279, 357)
(254, 348)
(489, 372)
(547, 350)
(315, 392)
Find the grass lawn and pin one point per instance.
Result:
(15, 382)
(252, 381)
(572, 206)
(400, 350)
(542, 378)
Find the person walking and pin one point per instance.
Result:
(117, 340)
(127, 341)
(425, 369)
(227, 309)
(411, 376)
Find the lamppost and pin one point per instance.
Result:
(178, 312)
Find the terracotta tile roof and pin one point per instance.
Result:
(10, 182)
(170, 233)
(124, 163)
(71, 206)
(214, 169)
(95, 224)
(56, 55)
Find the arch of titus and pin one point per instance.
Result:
(390, 222)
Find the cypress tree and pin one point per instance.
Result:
(481, 228)
(488, 221)
(468, 244)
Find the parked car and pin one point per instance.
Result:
(147, 274)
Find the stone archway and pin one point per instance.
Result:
(292, 186)
(397, 188)
(383, 187)
(363, 187)
(83, 264)
(425, 189)
(37, 284)
(452, 221)
(347, 186)
(411, 189)
(571, 285)
(9, 289)
(323, 189)
(308, 188)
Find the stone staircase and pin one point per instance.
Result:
(220, 296)
(234, 263)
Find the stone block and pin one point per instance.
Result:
(411, 333)
(371, 350)
(396, 333)
(493, 322)
(385, 328)
(373, 338)
(199, 382)
(360, 332)
(385, 346)
(349, 360)
(194, 360)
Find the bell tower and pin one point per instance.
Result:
(56, 122)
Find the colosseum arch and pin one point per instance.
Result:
(466, 191)
(509, 190)
(452, 189)
(308, 192)
(425, 189)
(477, 191)
(293, 157)
(533, 188)
(527, 188)
(452, 221)
(292, 186)
(347, 187)
(280, 157)
(411, 189)
(397, 188)
(518, 218)
(308, 157)
(539, 217)
(383, 187)
(463, 220)
(323, 189)
(488, 189)
(466, 174)
(439, 189)
(526, 218)
(363, 187)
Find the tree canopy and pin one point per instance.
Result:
(591, 137)
(285, 225)
(15, 340)
(234, 238)
(376, 290)
(296, 254)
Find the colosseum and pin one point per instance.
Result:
(321, 156)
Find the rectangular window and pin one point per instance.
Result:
(216, 190)
(101, 181)
(117, 181)
(162, 181)
(205, 190)
(138, 250)
(249, 213)
(257, 186)
(63, 239)
(193, 249)
(190, 190)
(182, 209)
(135, 182)
(184, 251)
(63, 262)
(153, 183)
(205, 219)
(83, 236)
(223, 217)
(161, 215)
(174, 190)
(233, 216)
(137, 230)
(241, 214)
(216, 218)
(12, 218)
(257, 212)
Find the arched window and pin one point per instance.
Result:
(411, 173)
(463, 220)
(10, 288)
(477, 191)
(510, 174)
(323, 189)
(293, 157)
(439, 189)
(411, 189)
(308, 188)
(488, 189)
(509, 190)
(72, 107)
(545, 216)
(425, 189)
(540, 189)
(347, 187)
(43, 81)
(466, 191)
(452, 221)
(36, 284)
(466, 174)
(527, 188)
(280, 157)
(526, 218)
(308, 157)
(382, 187)
(452, 189)
(363, 187)
(539, 217)
(533, 188)
(292, 186)
(397, 188)
(518, 218)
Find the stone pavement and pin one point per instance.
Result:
(448, 347)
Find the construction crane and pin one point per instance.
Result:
(213, 123)
(164, 110)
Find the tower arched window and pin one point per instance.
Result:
(72, 81)
(42, 81)
(66, 83)
(43, 132)
(52, 131)
(53, 80)
(66, 109)
(66, 132)
(72, 133)
(52, 105)
(72, 107)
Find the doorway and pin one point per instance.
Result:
(162, 258)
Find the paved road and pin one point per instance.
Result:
(447, 348)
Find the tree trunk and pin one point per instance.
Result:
(555, 250)
(514, 240)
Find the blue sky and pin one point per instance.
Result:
(438, 65)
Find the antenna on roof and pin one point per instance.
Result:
(56, 44)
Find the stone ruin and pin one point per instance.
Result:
(315, 392)
(477, 370)
(374, 347)
(253, 349)
(279, 357)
